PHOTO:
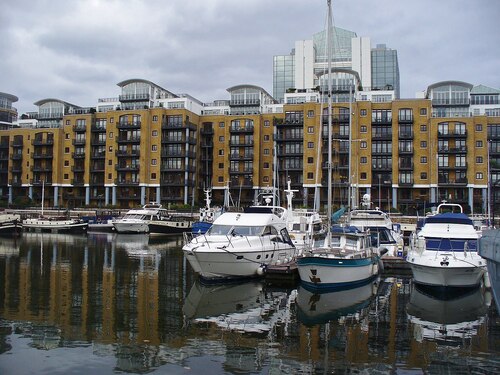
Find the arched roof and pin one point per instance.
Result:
(132, 80)
(243, 86)
(345, 70)
(444, 83)
(10, 97)
(43, 101)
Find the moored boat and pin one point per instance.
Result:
(207, 215)
(55, 224)
(10, 224)
(444, 252)
(241, 244)
(151, 218)
(348, 260)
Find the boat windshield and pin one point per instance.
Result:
(244, 230)
(134, 216)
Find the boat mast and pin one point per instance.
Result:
(349, 189)
(43, 193)
(329, 49)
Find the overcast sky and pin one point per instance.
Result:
(78, 50)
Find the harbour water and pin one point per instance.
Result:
(111, 303)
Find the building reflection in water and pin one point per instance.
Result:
(134, 297)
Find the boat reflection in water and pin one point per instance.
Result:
(448, 317)
(242, 307)
(322, 307)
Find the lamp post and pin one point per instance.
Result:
(379, 195)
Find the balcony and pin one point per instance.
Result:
(126, 182)
(236, 156)
(290, 138)
(450, 102)
(128, 125)
(97, 168)
(405, 150)
(133, 97)
(43, 155)
(79, 142)
(16, 156)
(381, 136)
(124, 140)
(16, 169)
(77, 182)
(207, 131)
(240, 130)
(80, 128)
(406, 181)
(41, 169)
(97, 142)
(444, 181)
(128, 153)
(127, 168)
(405, 135)
(98, 129)
(453, 134)
(241, 143)
(452, 150)
(405, 119)
(17, 143)
(78, 168)
(42, 142)
(78, 155)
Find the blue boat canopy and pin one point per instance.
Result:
(449, 218)
(345, 229)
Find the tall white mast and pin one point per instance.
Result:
(329, 49)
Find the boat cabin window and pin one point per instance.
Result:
(247, 230)
(268, 231)
(335, 240)
(217, 229)
(351, 242)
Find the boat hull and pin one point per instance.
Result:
(128, 226)
(169, 227)
(64, 226)
(454, 272)
(218, 262)
(336, 273)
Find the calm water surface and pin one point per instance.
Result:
(112, 303)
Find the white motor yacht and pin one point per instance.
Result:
(444, 252)
(241, 244)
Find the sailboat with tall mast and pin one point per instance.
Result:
(54, 224)
(347, 257)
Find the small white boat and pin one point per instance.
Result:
(241, 245)
(55, 224)
(304, 226)
(207, 215)
(380, 225)
(151, 218)
(10, 224)
(348, 260)
(444, 252)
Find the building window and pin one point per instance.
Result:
(423, 128)
(362, 112)
(110, 162)
(266, 151)
(110, 149)
(363, 175)
(310, 113)
(479, 160)
(363, 144)
(221, 152)
(155, 118)
(66, 176)
(220, 179)
(266, 165)
(363, 129)
(110, 176)
(310, 160)
(67, 122)
(154, 147)
(266, 138)
(266, 123)
(363, 160)
(153, 161)
(479, 175)
(423, 160)
(111, 120)
(66, 163)
(221, 124)
(423, 111)
(66, 150)
(310, 129)
(221, 138)
(154, 133)
(310, 175)
(310, 144)
(479, 143)
(265, 179)
(221, 165)
(479, 127)
(423, 144)
(423, 176)
(153, 176)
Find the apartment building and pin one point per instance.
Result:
(149, 144)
